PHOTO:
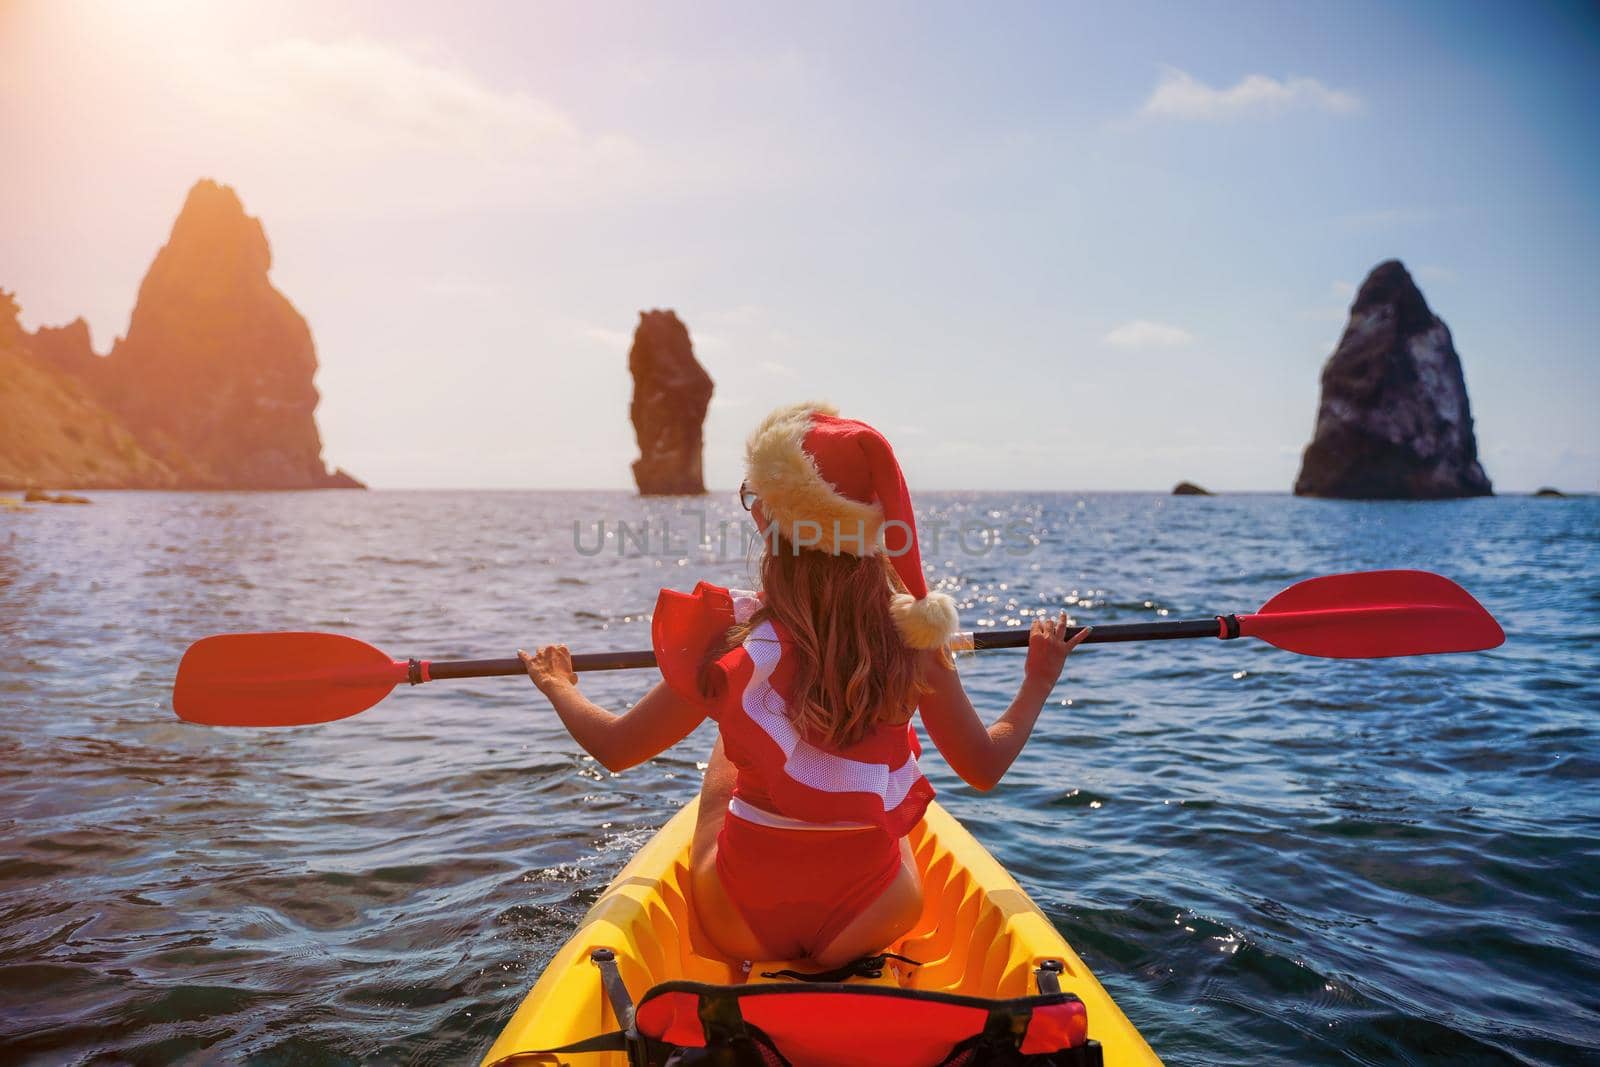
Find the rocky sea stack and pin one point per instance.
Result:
(671, 392)
(52, 431)
(210, 389)
(1394, 422)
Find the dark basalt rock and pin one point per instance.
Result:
(1394, 422)
(671, 393)
(1189, 489)
(1548, 491)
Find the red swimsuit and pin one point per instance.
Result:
(796, 887)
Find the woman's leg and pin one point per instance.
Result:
(729, 934)
(883, 922)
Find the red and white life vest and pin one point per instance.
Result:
(874, 782)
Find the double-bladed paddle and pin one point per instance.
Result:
(295, 679)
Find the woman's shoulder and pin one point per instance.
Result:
(707, 598)
(688, 628)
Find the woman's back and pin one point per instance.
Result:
(814, 782)
(785, 766)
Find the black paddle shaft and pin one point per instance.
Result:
(1117, 633)
(494, 668)
(981, 640)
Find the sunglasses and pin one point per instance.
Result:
(747, 496)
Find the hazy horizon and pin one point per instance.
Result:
(1141, 228)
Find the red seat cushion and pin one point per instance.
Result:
(847, 1027)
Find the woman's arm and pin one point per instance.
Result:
(650, 727)
(981, 755)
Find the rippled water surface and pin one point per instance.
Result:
(1266, 858)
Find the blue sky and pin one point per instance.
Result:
(1042, 246)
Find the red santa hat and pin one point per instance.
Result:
(834, 485)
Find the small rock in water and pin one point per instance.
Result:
(1189, 489)
(1549, 491)
(39, 496)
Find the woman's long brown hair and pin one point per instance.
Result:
(852, 669)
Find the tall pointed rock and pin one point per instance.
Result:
(671, 392)
(1394, 422)
(215, 373)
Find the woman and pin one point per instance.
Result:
(800, 849)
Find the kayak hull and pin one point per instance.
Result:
(979, 935)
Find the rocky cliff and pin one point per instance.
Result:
(214, 377)
(1394, 421)
(52, 433)
(671, 392)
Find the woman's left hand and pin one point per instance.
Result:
(550, 668)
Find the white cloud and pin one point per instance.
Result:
(379, 96)
(1386, 217)
(1341, 292)
(773, 367)
(1142, 334)
(600, 335)
(387, 127)
(464, 288)
(1180, 95)
(742, 314)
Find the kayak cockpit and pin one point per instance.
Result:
(980, 942)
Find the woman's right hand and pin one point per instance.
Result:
(550, 668)
(1049, 647)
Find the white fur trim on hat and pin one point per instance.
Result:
(782, 473)
(926, 623)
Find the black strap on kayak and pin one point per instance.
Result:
(616, 990)
(721, 1019)
(743, 1044)
(615, 1041)
(1000, 1043)
(865, 967)
(1007, 1026)
(611, 982)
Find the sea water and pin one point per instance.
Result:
(1264, 857)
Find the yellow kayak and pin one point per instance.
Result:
(980, 936)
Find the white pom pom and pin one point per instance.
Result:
(926, 623)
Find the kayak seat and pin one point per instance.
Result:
(820, 1024)
(812, 1023)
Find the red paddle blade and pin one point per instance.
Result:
(281, 679)
(1374, 614)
